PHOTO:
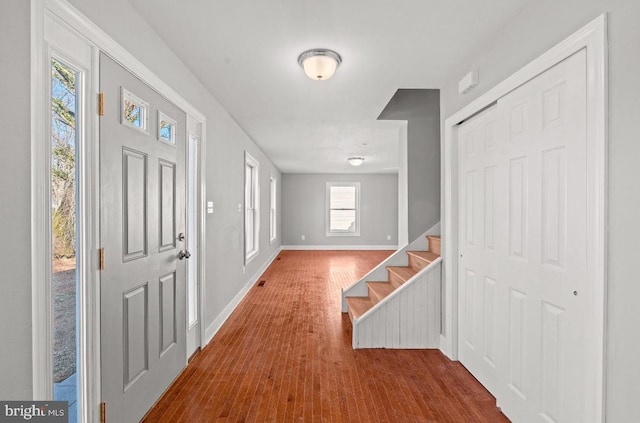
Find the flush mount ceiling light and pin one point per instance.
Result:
(355, 161)
(319, 63)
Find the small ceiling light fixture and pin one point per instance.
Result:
(319, 63)
(355, 161)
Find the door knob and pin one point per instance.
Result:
(184, 255)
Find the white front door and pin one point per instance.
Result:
(142, 193)
(525, 300)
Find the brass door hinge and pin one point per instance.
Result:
(101, 258)
(101, 104)
(103, 412)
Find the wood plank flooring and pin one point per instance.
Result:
(285, 355)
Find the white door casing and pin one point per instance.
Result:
(143, 320)
(524, 298)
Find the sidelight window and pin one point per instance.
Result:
(65, 130)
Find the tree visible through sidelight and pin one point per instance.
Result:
(64, 280)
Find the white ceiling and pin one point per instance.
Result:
(245, 52)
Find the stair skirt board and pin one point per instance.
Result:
(409, 318)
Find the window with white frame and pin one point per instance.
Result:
(251, 207)
(343, 209)
(272, 209)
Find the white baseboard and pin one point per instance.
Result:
(339, 247)
(215, 326)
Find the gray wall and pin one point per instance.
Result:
(226, 143)
(541, 25)
(421, 109)
(304, 209)
(15, 202)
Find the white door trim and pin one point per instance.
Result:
(68, 16)
(593, 38)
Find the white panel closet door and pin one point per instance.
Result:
(542, 366)
(478, 263)
(522, 278)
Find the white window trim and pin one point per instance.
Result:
(250, 161)
(273, 209)
(328, 208)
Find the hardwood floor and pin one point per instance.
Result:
(285, 355)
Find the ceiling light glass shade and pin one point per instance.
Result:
(319, 64)
(355, 161)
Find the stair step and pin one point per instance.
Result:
(434, 244)
(379, 290)
(420, 259)
(358, 306)
(400, 274)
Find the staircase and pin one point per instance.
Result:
(404, 310)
